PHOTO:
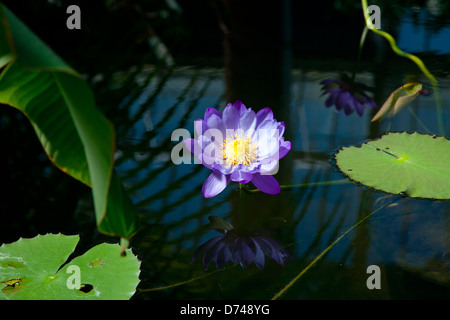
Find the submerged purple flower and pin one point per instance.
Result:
(347, 95)
(241, 249)
(239, 145)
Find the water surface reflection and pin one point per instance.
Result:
(408, 240)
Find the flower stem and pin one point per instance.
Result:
(323, 253)
(124, 245)
(418, 119)
(413, 58)
(361, 45)
(184, 282)
(309, 184)
(241, 204)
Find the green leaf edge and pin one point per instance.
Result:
(62, 67)
(334, 164)
(68, 255)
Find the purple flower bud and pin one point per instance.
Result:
(346, 95)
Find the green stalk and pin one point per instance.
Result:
(413, 58)
(183, 282)
(124, 245)
(309, 184)
(361, 45)
(290, 284)
(418, 120)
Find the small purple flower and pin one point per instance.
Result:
(347, 95)
(425, 92)
(241, 249)
(239, 145)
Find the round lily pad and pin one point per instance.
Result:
(37, 269)
(408, 164)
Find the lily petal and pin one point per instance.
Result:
(241, 176)
(263, 115)
(266, 183)
(210, 111)
(200, 127)
(214, 184)
(231, 117)
(285, 147)
(240, 106)
(215, 122)
(342, 100)
(331, 100)
(247, 122)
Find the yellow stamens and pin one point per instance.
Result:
(238, 150)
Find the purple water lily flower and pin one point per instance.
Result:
(239, 145)
(241, 249)
(347, 95)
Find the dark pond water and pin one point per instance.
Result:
(409, 240)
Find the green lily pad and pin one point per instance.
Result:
(36, 269)
(415, 165)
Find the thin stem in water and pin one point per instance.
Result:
(361, 45)
(309, 184)
(290, 284)
(183, 282)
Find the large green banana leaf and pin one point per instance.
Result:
(76, 136)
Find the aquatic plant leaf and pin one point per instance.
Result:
(398, 99)
(31, 269)
(218, 223)
(415, 165)
(76, 136)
